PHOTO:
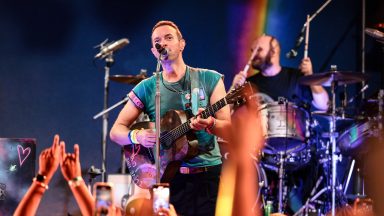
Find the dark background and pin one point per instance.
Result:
(50, 84)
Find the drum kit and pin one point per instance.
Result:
(293, 140)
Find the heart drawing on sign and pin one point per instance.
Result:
(23, 153)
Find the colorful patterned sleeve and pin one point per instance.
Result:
(136, 100)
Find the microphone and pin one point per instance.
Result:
(161, 50)
(293, 52)
(111, 47)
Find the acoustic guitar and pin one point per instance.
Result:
(177, 141)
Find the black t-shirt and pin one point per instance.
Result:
(284, 84)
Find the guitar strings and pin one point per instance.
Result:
(185, 126)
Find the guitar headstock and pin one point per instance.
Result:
(240, 94)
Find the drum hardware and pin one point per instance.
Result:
(263, 185)
(130, 79)
(281, 174)
(336, 77)
(358, 190)
(286, 130)
(333, 135)
(350, 142)
(339, 116)
(284, 127)
(333, 79)
(378, 35)
(309, 204)
(271, 167)
(293, 161)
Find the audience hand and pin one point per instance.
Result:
(49, 160)
(167, 212)
(70, 162)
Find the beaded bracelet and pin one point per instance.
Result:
(41, 184)
(75, 181)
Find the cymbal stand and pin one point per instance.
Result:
(281, 181)
(308, 204)
(332, 138)
(344, 102)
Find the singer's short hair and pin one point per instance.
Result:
(169, 23)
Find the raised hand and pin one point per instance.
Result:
(70, 162)
(306, 66)
(238, 80)
(49, 159)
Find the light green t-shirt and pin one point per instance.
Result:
(174, 96)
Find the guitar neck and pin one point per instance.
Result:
(209, 111)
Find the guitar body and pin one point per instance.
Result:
(177, 141)
(141, 160)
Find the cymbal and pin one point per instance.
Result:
(328, 116)
(128, 79)
(374, 33)
(326, 78)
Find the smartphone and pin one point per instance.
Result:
(103, 194)
(160, 197)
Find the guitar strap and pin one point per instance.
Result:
(198, 97)
(196, 100)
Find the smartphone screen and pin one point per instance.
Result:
(103, 198)
(160, 197)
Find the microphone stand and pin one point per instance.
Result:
(109, 62)
(157, 118)
(111, 108)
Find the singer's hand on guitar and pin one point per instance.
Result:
(239, 79)
(146, 137)
(199, 123)
(306, 66)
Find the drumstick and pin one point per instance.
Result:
(246, 68)
(306, 38)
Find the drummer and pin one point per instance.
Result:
(274, 81)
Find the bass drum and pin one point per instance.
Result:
(351, 141)
(285, 127)
(262, 182)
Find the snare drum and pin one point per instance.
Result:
(285, 127)
(293, 161)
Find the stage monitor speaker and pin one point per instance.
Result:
(17, 168)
